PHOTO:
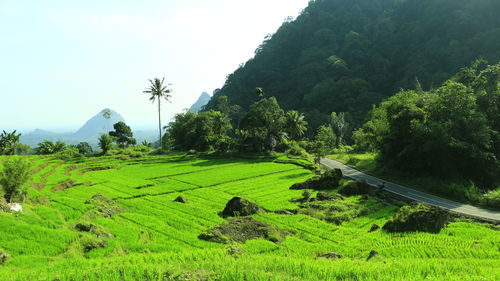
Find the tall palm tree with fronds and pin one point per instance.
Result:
(295, 124)
(158, 91)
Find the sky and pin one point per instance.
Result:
(62, 62)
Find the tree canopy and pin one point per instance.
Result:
(347, 55)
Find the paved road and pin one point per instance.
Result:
(414, 195)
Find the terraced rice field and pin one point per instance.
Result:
(154, 238)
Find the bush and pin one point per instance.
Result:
(68, 153)
(492, 199)
(293, 148)
(16, 172)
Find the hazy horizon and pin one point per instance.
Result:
(75, 59)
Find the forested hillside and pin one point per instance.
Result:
(347, 55)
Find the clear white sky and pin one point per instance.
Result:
(61, 61)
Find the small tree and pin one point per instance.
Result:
(105, 143)
(158, 90)
(123, 135)
(9, 143)
(340, 126)
(13, 177)
(295, 124)
(84, 148)
(45, 147)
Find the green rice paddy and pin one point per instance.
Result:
(152, 237)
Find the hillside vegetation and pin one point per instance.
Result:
(108, 219)
(346, 55)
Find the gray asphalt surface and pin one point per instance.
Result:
(413, 194)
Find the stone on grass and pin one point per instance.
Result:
(240, 207)
(4, 257)
(181, 199)
(355, 188)
(372, 254)
(324, 196)
(374, 228)
(331, 255)
(328, 180)
(15, 207)
(419, 217)
(242, 229)
(85, 227)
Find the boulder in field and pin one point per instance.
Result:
(355, 188)
(418, 217)
(4, 257)
(331, 255)
(328, 180)
(181, 199)
(95, 245)
(240, 207)
(15, 207)
(324, 196)
(374, 227)
(372, 254)
(242, 229)
(85, 227)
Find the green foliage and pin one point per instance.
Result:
(157, 91)
(263, 127)
(105, 143)
(122, 135)
(327, 137)
(205, 131)
(447, 132)
(295, 125)
(340, 126)
(68, 153)
(345, 56)
(15, 174)
(9, 143)
(84, 148)
(48, 147)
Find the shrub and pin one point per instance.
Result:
(68, 153)
(492, 199)
(16, 172)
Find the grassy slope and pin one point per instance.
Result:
(155, 237)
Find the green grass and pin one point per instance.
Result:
(155, 238)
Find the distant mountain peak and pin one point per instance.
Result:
(200, 103)
(101, 123)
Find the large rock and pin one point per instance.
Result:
(418, 217)
(323, 196)
(104, 206)
(15, 207)
(328, 180)
(355, 188)
(372, 254)
(331, 255)
(242, 229)
(240, 207)
(4, 257)
(181, 199)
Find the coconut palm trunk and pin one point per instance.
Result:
(159, 124)
(158, 90)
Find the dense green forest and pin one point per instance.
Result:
(347, 55)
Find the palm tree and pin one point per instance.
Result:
(9, 143)
(158, 90)
(295, 124)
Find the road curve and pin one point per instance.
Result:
(413, 194)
